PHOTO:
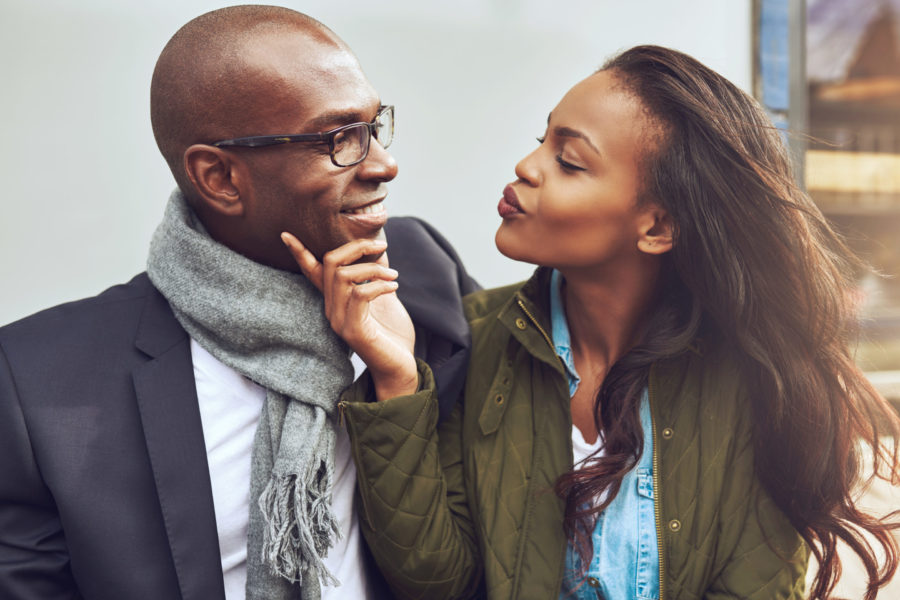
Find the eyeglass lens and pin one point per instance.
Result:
(384, 124)
(351, 145)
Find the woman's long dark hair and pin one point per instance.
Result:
(754, 261)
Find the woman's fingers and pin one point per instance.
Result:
(339, 271)
(363, 310)
(356, 309)
(321, 274)
(346, 255)
(345, 282)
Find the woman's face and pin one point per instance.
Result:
(574, 202)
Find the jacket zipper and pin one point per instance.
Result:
(541, 329)
(657, 500)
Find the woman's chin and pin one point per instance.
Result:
(506, 246)
(510, 247)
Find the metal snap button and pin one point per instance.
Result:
(667, 433)
(499, 399)
(520, 323)
(675, 525)
(593, 582)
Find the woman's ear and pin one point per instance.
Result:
(215, 178)
(656, 232)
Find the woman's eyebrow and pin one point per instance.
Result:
(574, 133)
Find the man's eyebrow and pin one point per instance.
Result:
(336, 118)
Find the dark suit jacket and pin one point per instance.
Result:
(104, 485)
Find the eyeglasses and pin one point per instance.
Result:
(348, 145)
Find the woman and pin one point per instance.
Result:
(677, 370)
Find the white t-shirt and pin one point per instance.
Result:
(230, 405)
(581, 450)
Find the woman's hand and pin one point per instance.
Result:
(363, 308)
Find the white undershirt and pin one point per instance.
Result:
(230, 405)
(581, 450)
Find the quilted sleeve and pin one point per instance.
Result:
(414, 515)
(760, 555)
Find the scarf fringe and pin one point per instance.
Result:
(295, 541)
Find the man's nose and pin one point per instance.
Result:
(378, 165)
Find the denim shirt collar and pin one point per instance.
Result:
(562, 340)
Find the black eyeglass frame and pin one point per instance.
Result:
(260, 141)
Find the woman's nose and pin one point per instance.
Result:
(527, 170)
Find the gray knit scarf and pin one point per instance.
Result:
(270, 326)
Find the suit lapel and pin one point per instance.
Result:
(167, 400)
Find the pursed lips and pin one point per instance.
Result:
(509, 203)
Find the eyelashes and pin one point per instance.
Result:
(567, 166)
(564, 164)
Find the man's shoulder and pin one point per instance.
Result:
(79, 317)
(424, 256)
(433, 279)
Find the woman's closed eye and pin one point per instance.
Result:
(567, 166)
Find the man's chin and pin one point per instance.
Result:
(373, 257)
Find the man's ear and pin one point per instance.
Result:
(215, 178)
(657, 231)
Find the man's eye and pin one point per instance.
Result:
(340, 139)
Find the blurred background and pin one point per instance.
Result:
(473, 81)
(853, 156)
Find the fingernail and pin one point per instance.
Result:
(284, 238)
(380, 243)
(392, 272)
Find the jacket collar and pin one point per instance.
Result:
(531, 304)
(158, 330)
(167, 400)
(527, 316)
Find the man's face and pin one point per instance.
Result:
(309, 87)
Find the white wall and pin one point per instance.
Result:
(473, 80)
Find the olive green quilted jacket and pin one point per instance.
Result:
(466, 508)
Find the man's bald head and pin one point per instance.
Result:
(206, 84)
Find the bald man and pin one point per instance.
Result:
(177, 436)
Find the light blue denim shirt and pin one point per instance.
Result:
(625, 563)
